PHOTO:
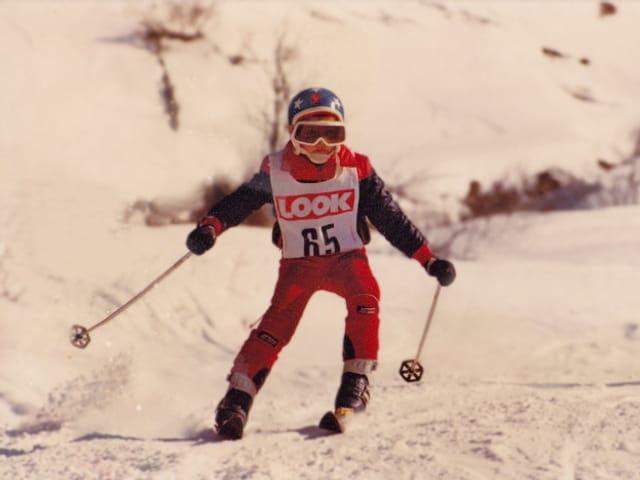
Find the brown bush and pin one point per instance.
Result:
(184, 24)
(191, 207)
(550, 189)
(607, 8)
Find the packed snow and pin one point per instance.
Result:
(532, 363)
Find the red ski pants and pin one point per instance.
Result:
(347, 275)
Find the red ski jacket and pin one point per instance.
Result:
(376, 205)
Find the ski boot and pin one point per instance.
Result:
(232, 414)
(353, 396)
(353, 393)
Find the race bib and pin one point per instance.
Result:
(316, 218)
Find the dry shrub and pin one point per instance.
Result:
(191, 207)
(557, 54)
(183, 24)
(607, 8)
(551, 189)
(498, 199)
(552, 52)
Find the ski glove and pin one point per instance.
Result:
(201, 239)
(443, 270)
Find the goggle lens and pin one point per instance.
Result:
(310, 133)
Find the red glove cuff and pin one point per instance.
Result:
(423, 254)
(212, 221)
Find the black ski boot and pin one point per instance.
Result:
(353, 392)
(232, 413)
(353, 396)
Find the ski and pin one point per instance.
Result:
(336, 422)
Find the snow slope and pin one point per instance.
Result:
(532, 361)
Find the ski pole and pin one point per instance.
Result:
(80, 335)
(411, 370)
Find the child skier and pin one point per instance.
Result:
(323, 195)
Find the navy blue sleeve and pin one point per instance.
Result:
(242, 202)
(384, 213)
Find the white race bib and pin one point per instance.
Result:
(316, 218)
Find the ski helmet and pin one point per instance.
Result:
(312, 100)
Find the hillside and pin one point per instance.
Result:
(532, 360)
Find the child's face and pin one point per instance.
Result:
(319, 148)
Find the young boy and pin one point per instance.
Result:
(324, 194)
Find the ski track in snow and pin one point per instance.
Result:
(450, 431)
(72, 399)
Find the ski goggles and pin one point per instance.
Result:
(310, 133)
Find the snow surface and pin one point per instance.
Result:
(532, 362)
